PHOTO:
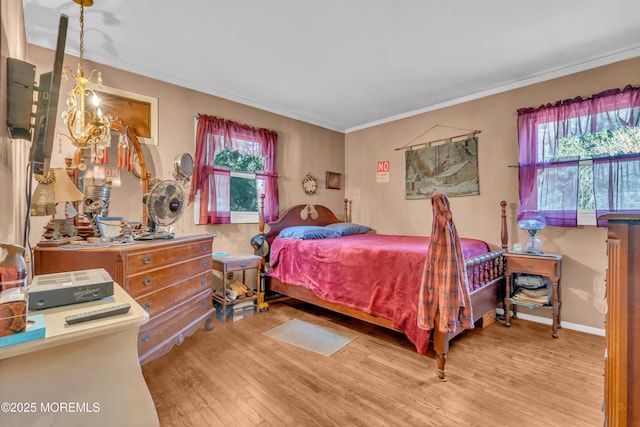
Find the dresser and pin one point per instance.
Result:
(622, 364)
(170, 279)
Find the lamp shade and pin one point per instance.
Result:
(532, 220)
(64, 190)
(51, 192)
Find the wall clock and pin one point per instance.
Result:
(309, 184)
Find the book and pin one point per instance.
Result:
(36, 329)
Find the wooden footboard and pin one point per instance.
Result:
(485, 277)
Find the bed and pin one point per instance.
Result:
(329, 272)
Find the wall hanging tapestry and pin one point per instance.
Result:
(450, 167)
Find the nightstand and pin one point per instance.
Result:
(544, 265)
(229, 264)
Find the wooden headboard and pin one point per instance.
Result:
(300, 215)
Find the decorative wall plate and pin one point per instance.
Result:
(309, 184)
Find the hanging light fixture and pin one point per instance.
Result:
(87, 125)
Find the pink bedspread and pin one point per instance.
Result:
(375, 273)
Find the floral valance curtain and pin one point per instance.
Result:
(548, 181)
(213, 182)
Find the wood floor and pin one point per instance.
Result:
(518, 376)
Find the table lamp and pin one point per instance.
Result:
(56, 187)
(532, 222)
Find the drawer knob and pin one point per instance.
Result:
(180, 339)
(529, 266)
(243, 265)
(203, 281)
(203, 303)
(146, 281)
(145, 338)
(146, 259)
(203, 262)
(147, 305)
(204, 246)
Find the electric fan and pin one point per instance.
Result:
(165, 204)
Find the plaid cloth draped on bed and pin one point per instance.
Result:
(444, 280)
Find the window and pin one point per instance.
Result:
(235, 165)
(580, 158)
(245, 189)
(605, 144)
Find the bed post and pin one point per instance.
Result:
(261, 215)
(504, 234)
(441, 339)
(346, 211)
(441, 347)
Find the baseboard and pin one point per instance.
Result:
(566, 325)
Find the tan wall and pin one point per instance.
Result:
(383, 206)
(302, 148)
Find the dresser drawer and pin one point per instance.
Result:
(159, 256)
(236, 263)
(172, 324)
(158, 302)
(146, 282)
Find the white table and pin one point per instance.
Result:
(87, 374)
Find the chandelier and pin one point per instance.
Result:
(86, 124)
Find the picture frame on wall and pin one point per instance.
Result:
(136, 111)
(334, 180)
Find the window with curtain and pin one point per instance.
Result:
(580, 158)
(235, 164)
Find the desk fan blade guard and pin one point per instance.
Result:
(165, 205)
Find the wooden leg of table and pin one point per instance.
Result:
(507, 301)
(559, 305)
(556, 310)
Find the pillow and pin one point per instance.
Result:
(349, 228)
(306, 232)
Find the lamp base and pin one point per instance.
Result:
(533, 245)
(60, 228)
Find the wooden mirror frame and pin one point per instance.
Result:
(145, 177)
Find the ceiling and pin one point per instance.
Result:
(346, 65)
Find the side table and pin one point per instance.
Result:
(92, 368)
(229, 264)
(545, 265)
